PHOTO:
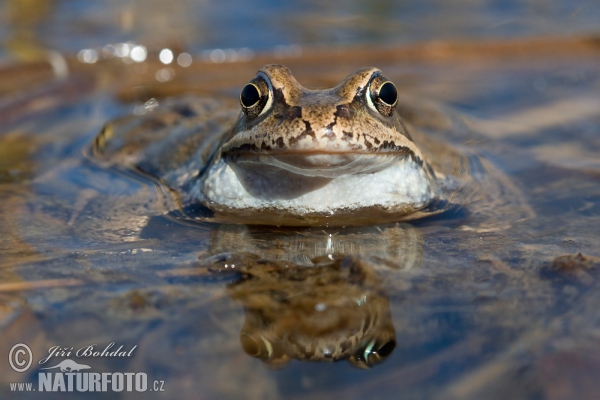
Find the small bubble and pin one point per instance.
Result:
(165, 56)
(151, 104)
(88, 56)
(231, 55)
(108, 51)
(122, 49)
(184, 60)
(138, 54)
(245, 54)
(165, 74)
(217, 56)
(146, 107)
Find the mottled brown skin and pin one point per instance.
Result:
(335, 156)
(297, 158)
(334, 120)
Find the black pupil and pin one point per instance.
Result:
(250, 95)
(386, 349)
(388, 93)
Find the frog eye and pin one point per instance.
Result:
(255, 96)
(375, 352)
(250, 95)
(384, 350)
(256, 345)
(382, 95)
(388, 93)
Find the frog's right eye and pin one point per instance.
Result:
(250, 95)
(382, 95)
(256, 345)
(374, 353)
(255, 96)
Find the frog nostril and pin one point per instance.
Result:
(343, 111)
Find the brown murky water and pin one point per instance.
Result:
(445, 307)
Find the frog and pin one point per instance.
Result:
(291, 156)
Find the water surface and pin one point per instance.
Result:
(455, 309)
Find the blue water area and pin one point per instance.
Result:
(71, 25)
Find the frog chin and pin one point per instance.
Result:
(303, 186)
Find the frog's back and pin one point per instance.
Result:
(171, 142)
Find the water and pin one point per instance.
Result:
(506, 310)
(210, 24)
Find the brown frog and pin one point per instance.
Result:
(294, 156)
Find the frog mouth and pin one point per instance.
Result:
(318, 165)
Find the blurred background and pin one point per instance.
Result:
(30, 26)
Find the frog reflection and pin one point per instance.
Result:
(313, 295)
(330, 312)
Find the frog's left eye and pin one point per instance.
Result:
(375, 352)
(388, 93)
(250, 95)
(382, 95)
(255, 97)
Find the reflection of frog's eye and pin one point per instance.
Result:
(385, 350)
(258, 346)
(382, 95)
(377, 352)
(373, 353)
(254, 97)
